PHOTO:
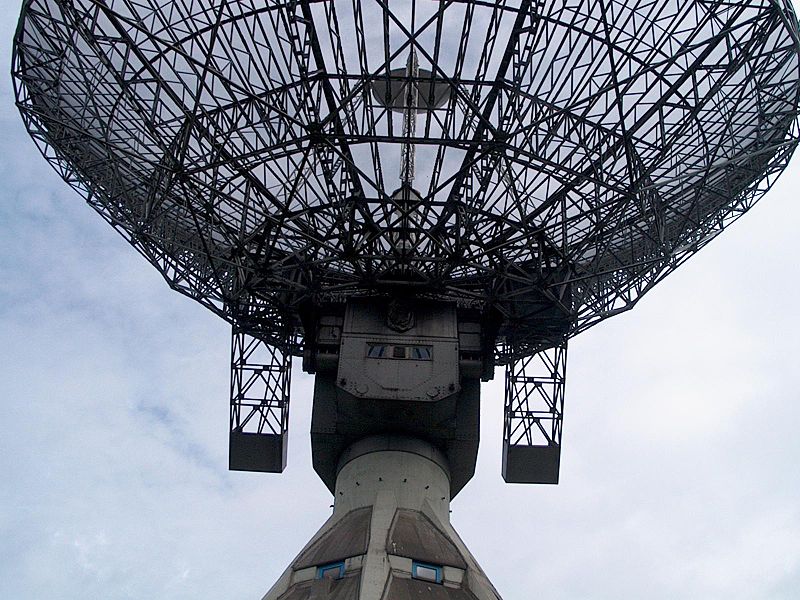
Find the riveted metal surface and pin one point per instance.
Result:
(399, 376)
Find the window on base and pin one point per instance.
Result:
(426, 572)
(331, 571)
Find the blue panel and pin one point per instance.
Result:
(426, 572)
(331, 571)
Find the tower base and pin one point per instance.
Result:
(389, 537)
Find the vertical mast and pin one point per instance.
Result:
(409, 118)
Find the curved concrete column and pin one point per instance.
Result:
(391, 517)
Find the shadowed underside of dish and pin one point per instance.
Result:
(565, 156)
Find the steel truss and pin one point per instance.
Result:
(582, 150)
(534, 411)
(260, 383)
(565, 157)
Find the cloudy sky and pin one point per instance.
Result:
(681, 461)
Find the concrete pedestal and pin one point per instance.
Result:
(389, 537)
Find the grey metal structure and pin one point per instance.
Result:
(260, 379)
(409, 194)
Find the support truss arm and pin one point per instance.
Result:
(260, 378)
(534, 407)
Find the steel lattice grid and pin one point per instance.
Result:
(260, 386)
(585, 150)
(534, 398)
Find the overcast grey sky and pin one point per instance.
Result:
(681, 462)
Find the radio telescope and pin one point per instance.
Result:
(406, 196)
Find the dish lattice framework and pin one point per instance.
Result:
(575, 153)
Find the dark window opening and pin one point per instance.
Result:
(400, 352)
(376, 351)
(421, 352)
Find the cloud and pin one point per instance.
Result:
(679, 473)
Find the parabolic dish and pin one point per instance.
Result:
(575, 152)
